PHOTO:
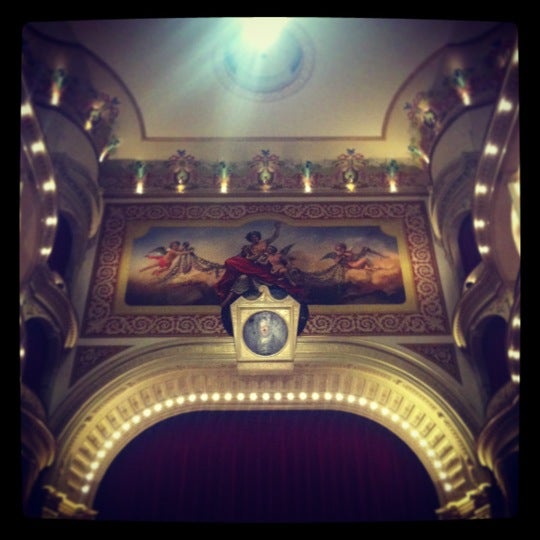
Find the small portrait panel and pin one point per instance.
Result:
(265, 333)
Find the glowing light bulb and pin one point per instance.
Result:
(491, 149)
(505, 105)
(37, 147)
(26, 109)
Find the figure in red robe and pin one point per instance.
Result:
(251, 265)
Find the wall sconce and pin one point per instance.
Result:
(140, 176)
(111, 146)
(349, 166)
(421, 113)
(416, 151)
(182, 177)
(266, 166)
(307, 176)
(223, 177)
(59, 81)
(461, 84)
(182, 166)
(93, 119)
(392, 175)
(102, 109)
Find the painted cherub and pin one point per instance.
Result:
(164, 257)
(278, 261)
(349, 259)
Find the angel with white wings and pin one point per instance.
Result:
(178, 259)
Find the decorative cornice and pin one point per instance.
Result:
(31, 403)
(120, 178)
(474, 505)
(37, 165)
(498, 138)
(80, 195)
(483, 295)
(514, 334)
(152, 384)
(475, 82)
(47, 297)
(58, 506)
(94, 112)
(37, 441)
(88, 357)
(441, 354)
(500, 435)
(452, 196)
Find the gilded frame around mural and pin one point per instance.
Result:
(265, 328)
(109, 313)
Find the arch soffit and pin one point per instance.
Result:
(137, 389)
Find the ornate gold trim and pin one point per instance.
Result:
(280, 316)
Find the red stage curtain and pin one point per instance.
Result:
(266, 466)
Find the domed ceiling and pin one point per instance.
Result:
(323, 86)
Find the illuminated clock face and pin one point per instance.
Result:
(265, 333)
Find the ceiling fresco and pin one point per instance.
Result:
(361, 268)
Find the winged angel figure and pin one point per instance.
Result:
(347, 259)
(258, 261)
(279, 261)
(178, 258)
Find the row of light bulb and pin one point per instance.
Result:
(266, 397)
(47, 184)
(492, 150)
(505, 105)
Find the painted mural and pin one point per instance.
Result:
(322, 265)
(171, 269)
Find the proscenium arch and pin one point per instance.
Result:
(127, 394)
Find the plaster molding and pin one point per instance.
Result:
(451, 195)
(80, 195)
(152, 384)
(484, 296)
(46, 296)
